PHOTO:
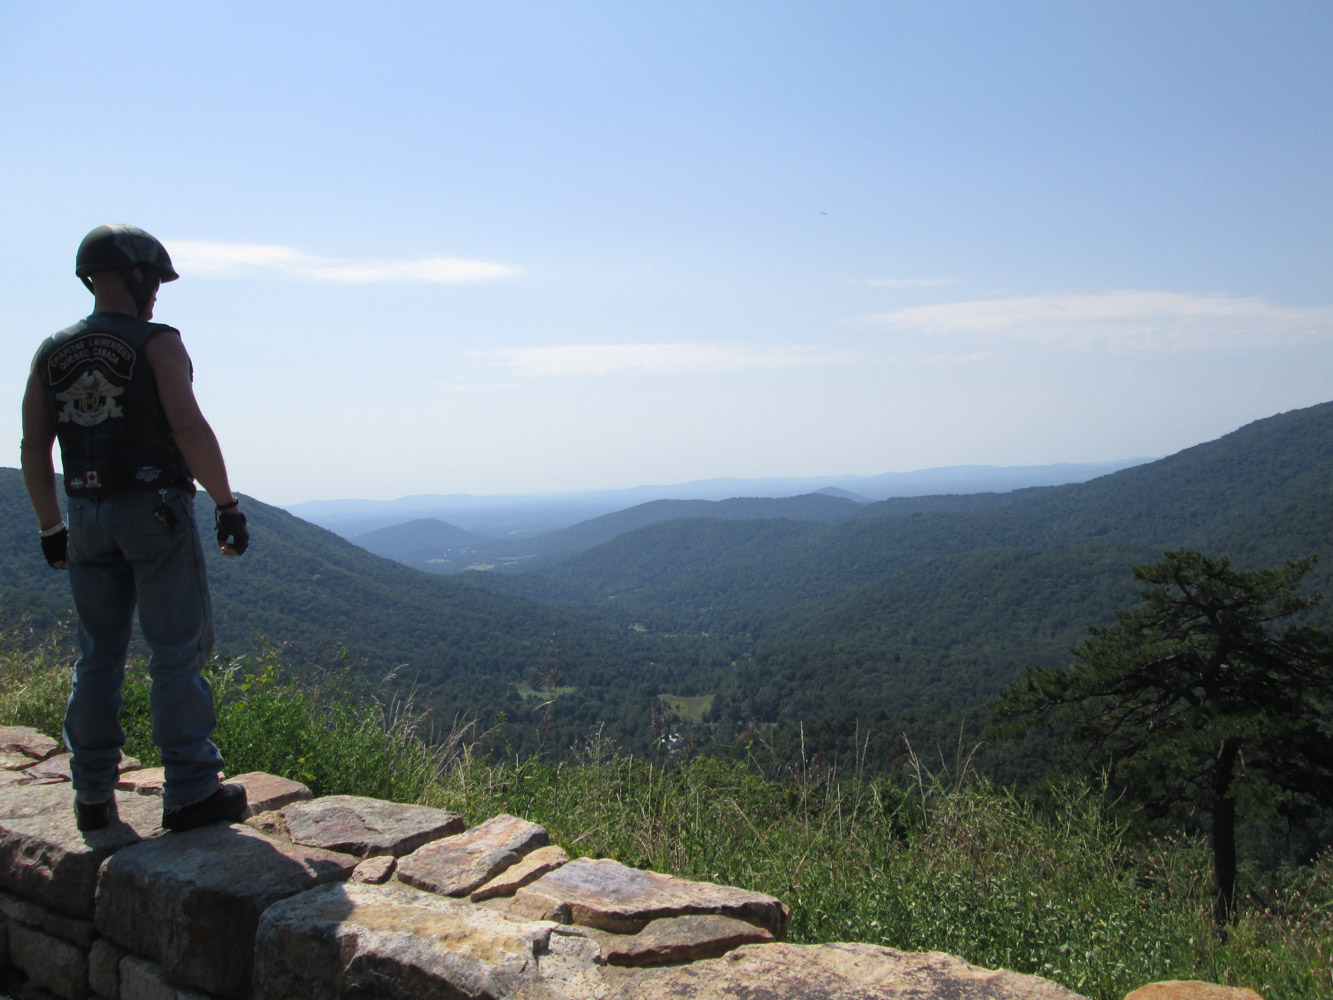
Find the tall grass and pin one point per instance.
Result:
(925, 859)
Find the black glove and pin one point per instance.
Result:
(56, 547)
(232, 530)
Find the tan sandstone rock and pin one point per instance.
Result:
(610, 896)
(833, 972)
(192, 901)
(392, 943)
(43, 856)
(271, 824)
(1191, 989)
(375, 871)
(265, 792)
(54, 768)
(23, 746)
(144, 781)
(351, 824)
(677, 939)
(457, 865)
(525, 870)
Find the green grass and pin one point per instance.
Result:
(688, 709)
(918, 861)
(528, 693)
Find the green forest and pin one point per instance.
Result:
(813, 619)
(837, 666)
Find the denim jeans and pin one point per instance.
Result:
(120, 554)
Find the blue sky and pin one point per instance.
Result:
(535, 247)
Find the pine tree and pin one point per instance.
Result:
(1216, 693)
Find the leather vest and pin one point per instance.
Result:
(114, 435)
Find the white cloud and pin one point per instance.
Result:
(898, 283)
(591, 360)
(1124, 320)
(206, 258)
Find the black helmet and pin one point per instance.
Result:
(122, 248)
(116, 246)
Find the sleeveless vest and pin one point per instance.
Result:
(114, 435)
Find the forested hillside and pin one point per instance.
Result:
(817, 612)
(329, 603)
(913, 614)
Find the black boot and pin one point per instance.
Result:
(90, 816)
(226, 805)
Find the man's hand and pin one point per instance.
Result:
(233, 535)
(56, 548)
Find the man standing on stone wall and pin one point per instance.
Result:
(117, 392)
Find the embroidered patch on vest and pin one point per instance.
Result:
(90, 400)
(116, 356)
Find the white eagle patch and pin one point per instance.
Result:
(90, 400)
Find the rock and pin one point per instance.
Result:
(55, 767)
(264, 792)
(144, 780)
(24, 746)
(72, 929)
(1191, 989)
(457, 865)
(141, 979)
(271, 824)
(525, 870)
(833, 972)
(612, 897)
(104, 969)
(392, 943)
(43, 856)
(677, 939)
(375, 871)
(365, 827)
(192, 901)
(49, 962)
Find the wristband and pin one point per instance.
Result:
(55, 529)
(235, 502)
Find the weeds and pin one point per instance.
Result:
(929, 858)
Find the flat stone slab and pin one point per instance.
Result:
(613, 897)
(192, 901)
(1191, 989)
(144, 780)
(457, 865)
(525, 870)
(376, 871)
(56, 768)
(833, 972)
(44, 858)
(265, 792)
(678, 939)
(393, 942)
(23, 746)
(351, 824)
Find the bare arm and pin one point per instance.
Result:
(194, 437)
(39, 472)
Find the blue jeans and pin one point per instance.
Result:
(120, 554)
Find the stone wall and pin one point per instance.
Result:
(358, 898)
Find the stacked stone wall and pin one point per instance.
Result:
(348, 897)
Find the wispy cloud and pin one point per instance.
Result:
(901, 283)
(1124, 320)
(205, 258)
(592, 360)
